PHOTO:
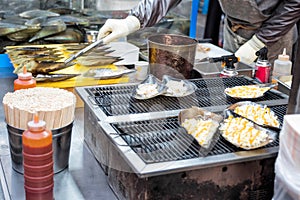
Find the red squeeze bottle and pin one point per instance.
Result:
(24, 81)
(38, 161)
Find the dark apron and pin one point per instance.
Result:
(242, 19)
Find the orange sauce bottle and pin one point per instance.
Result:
(24, 81)
(38, 161)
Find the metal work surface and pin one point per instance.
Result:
(146, 134)
(164, 140)
(115, 103)
(83, 179)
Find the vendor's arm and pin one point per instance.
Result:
(145, 14)
(284, 18)
(150, 12)
(281, 21)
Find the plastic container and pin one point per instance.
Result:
(39, 170)
(287, 165)
(6, 67)
(24, 81)
(39, 193)
(142, 70)
(282, 65)
(37, 142)
(39, 159)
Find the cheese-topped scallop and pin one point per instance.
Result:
(242, 133)
(201, 130)
(259, 114)
(246, 91)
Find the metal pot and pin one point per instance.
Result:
(168, 52)
(61, 143)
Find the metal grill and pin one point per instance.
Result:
(117, 100)
(164, 140)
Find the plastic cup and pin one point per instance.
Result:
(38, 171)
(142, 69)
(44, 193)
(37, 160)
(38, 182)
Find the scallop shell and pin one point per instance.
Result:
(189, 86)
(272, 135)
(150, 81)
(200, 113)
(232, 108)
(264, 88)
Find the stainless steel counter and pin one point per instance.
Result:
(83, 179)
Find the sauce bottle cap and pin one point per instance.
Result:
(25, 75)
(36, 124)
(283, 56)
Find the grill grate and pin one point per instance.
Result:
(163, 140)
(117, 100)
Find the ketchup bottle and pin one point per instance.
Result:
(38, 161)
(24, 81)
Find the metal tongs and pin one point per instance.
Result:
(82, 51)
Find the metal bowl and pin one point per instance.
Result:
(141, 92)
(61, 143)
(188, 87)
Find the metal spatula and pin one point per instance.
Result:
(82, 51)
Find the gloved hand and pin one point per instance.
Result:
(247, 51)
(117, 28)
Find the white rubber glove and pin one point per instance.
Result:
(117, 28)
(247, 51)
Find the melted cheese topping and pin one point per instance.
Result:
(258, 114)
(241, 132)
(201, 130)
(250, 91)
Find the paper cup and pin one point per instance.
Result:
(142, 68)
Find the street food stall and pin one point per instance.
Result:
(135, 139)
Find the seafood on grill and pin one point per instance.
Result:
(258, 113)
(23, 59)
(248, 91)
(202, 125)
(31, 51)
(178, 87)
(99, 53)
(92, 61)
(74, 47)
(149, 88)
(53, 77)
(21, 56)
(43, 67)
(245, 134)
(106, 73)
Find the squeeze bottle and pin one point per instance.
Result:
(24, 80)
(38, 161)
(282, 65)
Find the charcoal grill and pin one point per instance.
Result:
(141, 146)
